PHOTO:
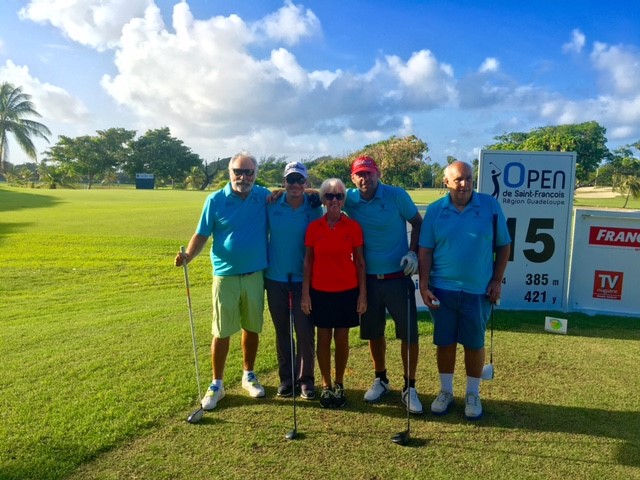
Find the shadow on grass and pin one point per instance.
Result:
(11, 200)
(522, 416)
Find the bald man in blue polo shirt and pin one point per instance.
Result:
(383, 212)
(236, 218)
(460, 279)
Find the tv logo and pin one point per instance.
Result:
(608, 285)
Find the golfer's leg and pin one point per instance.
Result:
(415, 350)
(446, 358)
(324, 355)
(305, 341)
(474, 362)
(341, 338)
(249, 349)
(378, 350)
(219, 351)
(278, 301)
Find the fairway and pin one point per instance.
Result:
(98, 377)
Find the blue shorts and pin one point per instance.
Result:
(462, 318)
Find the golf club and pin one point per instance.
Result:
(402, 438)
(487, 370)
(292, 433)
(196, 416)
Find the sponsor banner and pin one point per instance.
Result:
(605, 263)
(614, 237)
(535, 191)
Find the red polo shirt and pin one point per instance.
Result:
(333, 267)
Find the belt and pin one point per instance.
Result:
(248, 273)
(387, 276)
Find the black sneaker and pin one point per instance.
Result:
(326, 397)
(339, 397)
(307, 392)
(284, 391)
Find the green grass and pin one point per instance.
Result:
(97, 370)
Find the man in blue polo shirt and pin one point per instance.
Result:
(289, 217)
(383, 212)
(460, 279)
(236, 218)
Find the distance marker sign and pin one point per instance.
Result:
(535, 191)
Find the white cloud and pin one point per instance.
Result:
(490, 65)
(50, 101)
(576, 44)
(94, 23)
(424, 81)
(619, 67)
(203, 81)
(290, 24)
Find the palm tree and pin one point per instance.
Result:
(14, 107)
(632, 184)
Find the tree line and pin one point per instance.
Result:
(115, 155)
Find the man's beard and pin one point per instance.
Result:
(243, 187)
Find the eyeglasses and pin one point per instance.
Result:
(247, 172)
(293, 179)
(331, 196)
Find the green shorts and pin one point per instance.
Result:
(238, 302)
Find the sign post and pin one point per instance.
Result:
(535, 191)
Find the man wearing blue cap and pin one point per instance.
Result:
(289, 217)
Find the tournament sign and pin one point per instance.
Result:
(535, 191)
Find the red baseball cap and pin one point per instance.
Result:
(364, 164)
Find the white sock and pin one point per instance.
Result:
(218, 382)
(245, 373)
(446, 382)
(473, 385)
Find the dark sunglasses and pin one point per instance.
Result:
(331, 196)
(293, 179)
(247, 172)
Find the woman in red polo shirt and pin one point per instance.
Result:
(334, 290)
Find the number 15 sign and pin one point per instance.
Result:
(535, 191)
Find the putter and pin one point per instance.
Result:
(487, 370)
(402, 438)
(291, 434)
(196, 416)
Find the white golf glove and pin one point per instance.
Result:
(410, 263)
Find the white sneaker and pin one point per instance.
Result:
(472, 406)
(251, 384)
(377, 390)
(442, 403)
(414, 402)
(211, 398)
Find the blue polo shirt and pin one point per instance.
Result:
(286, 238)
(384, 222)
(239, 230)
(462, 242)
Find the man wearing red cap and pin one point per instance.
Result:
(383, 212)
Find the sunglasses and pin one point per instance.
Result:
(332, 196)
(247, 172)
(293, 179)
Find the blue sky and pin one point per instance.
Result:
(324, 77)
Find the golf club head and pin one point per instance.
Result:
(196, 416)
(291, 434)
(487, 372)
(401, 438)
